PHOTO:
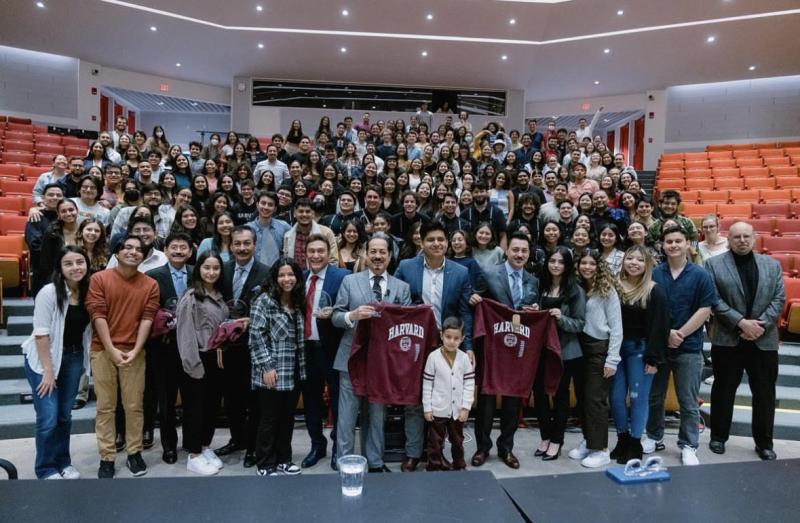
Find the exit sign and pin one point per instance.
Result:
(586, 106)
(164, 88)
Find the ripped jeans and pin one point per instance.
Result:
(630, 379)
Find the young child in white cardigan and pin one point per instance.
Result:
(448, 385)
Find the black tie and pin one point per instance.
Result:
(376, 288)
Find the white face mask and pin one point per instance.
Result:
(214, 141)
(159, 134)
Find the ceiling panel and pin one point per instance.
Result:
(165, 104)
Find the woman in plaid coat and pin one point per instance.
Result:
(278, 363)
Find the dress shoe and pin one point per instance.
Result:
(230, 448)
(539, 453)
(717, 447)
(147, 439)
(552, 457)
(249, 459)
(313, 457)
(169, 456)
(766, 454)
(382, 468)
(119, 442)
(334, 463)
(511, 460)
(79, 404)
(409, 465)
(479, 458)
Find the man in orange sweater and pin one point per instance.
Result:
(122, 302)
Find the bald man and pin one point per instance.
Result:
(744, 336)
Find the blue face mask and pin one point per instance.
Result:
(468, 139)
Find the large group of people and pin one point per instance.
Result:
(244, 277)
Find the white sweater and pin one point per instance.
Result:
(446, 391)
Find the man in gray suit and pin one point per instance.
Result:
(745, 337)
(352, 304)
(510, 284)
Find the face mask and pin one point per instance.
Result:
(214, 141)
(132, 195)
(159, 134)
(468, 139)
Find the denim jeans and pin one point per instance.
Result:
(54, 415)
(687, 368)
(630, 379)
(372, 420)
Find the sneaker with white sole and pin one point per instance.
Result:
(212, 458)
(689, 456)
(596, 459)
(70, 473)
(267, 471)
(650, 445)
(289, 468)
(200, 465)
(54, 475)
(580, 451)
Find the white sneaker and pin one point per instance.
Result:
(54, 475)
(212, 458)
(70, 473)
(199, 465)
(689, 456)
(580, 451)
(650, 445)
(596, 459)
(289, 468)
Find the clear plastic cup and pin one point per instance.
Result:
(351, 471)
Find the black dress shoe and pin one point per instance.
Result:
(313, 457)
(766, 454)
(147, 439)
(79, 404)
(717, 447)
(230, 448)
(249, 459)
(119, 442)
(552, 457)
(383, 468)
(169, 456)
(334, 463)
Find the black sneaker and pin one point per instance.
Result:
(106, 470)
(289, 469)
(267, 471)
(136, 465)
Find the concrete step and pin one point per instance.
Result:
(11, 367)
(17, 307)
(787, 422)
(788, 353)
(19, 325)
(12, 391)
(788, 375)
(11, 345)
(785, 397)
(19, 421)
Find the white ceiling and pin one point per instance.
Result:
(164, 104)
(554, 50)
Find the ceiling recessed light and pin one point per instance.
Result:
(259, 8)
(260, 45)
(178, 64)
(343, 49)
(606, 50)
(153, 28)
(504, 57)
(512, 21)
(711, 39)
(429, 16)
(597, 82)
(40, 5)
(620, 12)
(345, 12)
(751, 68)
(424, 53)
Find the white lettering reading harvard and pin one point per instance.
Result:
(506, 326)
(406, 329)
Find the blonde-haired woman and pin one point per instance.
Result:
(713, 243)
(645, 330)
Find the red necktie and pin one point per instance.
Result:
(312, 289)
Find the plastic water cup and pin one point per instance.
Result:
(351, 472)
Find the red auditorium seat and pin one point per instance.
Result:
(719, 148)
(670, 173)
(794, 210)
(787, 227)
(698, 173)
(75, 150)
(668, 157)
(12, 224)
(18, 146)
(792, 151)
(725, 172)
(765, 145)
(16, 187)
(770, 153)
(744, 195)
(690, 196)
(44, 159)
(749, 162)
(9, 170)
(722, 163)
(671, 185)
(762, 226)
(40, 129)
(722, 184)
(745, 153)
(20, 127)
(11, 205)
(719, 155)
(73, 140)
(695, 156)
(21, 136)
(699, 209)
(788, 182)
(17, 119)
(778, 195)
(16, 157)
(790, 319)
(31, 172)
(773, 161)
(51, 148)
(712, 197)
(759, 183)
(774, 210)
(775, 244)
(788, 263)
(783, 170)
(671, 164)
(697, 184)
(695, 164)
(47, 138)
(735, 210)
(754, 172)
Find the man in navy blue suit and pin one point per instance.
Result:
(445, 285)
(322, 341)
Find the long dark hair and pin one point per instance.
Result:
(297, 296)
(567, 284)
(60, 282)
(197, 280)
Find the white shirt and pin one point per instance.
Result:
(315, 300)
(279, 171)
(446, 391)
(433, 278)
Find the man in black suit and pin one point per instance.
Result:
(162, 353)
(322, 342)
(510, 284)
(241, 281)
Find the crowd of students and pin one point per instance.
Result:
(144, 255)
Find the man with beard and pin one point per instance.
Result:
(483, 211)
(35, 231)
(295, 240)
(448, 217)
(668, 204)
(151, 196)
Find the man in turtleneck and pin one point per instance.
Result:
(745, 337)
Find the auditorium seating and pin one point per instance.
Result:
(14, 261)
(790, 319)
(776, 210)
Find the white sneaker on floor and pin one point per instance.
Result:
(70, 473)
(212, 458)
(289, 468)
(596, 459)
(200, 465)
(709, 380)
(54, 475)
(580, 451)
(650, 445)
(689, 456)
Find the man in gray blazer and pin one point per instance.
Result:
(745, 336)
(352, 304)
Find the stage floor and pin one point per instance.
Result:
(86, 460)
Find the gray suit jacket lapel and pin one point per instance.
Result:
(366, 288)
(502, 280)
(734, 272)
